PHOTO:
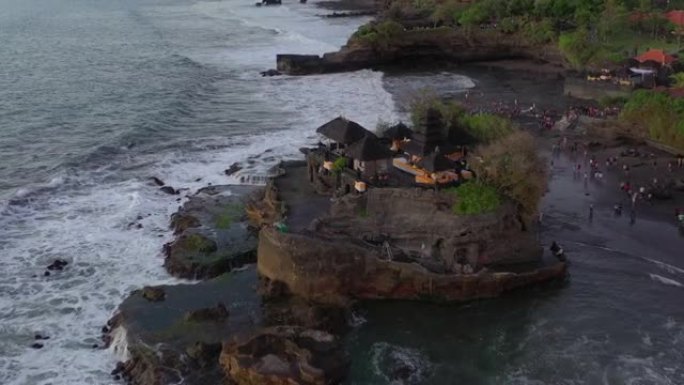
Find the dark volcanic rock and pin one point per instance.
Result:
(164, 345)
(153, 294)
(37, 345)
(235, 167)
(285, 355)
(290, 310)
(157, 181)
(204, 354)
(181, 222)
(453, 46)
(57, 264)
(212, 233)
(169, 190)
(267, 73)
(218, 313)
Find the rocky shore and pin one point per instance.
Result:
(420, 46)
(212, 234)
(281, 321)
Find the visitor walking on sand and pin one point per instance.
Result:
(591, 211)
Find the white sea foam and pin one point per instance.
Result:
(666, 281)
(399, 365)
(666, 266)
(106, 261)
(85, 218)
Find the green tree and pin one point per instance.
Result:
(678, 79)
(512, 165)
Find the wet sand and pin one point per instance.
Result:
(618, 319)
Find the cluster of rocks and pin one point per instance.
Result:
(212, 233)
(443, 45)
(280, 322)
(222, 330)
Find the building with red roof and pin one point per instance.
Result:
(656, 55)
(676, 18)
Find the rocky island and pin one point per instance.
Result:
(409, 214)
(444, 211)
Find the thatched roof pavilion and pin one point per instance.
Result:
(343, 131)
(398, 132)
(368, 149)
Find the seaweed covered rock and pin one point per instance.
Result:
(153, 293)
(212, 232)
(216, 313)
(285, 355)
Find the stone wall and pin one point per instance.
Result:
(328, 271)
(422, 221)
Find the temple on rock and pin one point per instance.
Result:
(351, 158)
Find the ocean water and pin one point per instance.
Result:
(96, 96)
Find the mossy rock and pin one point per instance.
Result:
(153, 294)
(181, 222)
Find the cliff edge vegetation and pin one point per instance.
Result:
(657, 115)
(504, 158)
(589, 34)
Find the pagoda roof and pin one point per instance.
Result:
(343, 131)
(367, 149)
(436, 162)
(398, 131)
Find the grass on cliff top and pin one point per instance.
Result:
(229, 215)
(478, 128)
(475, 197)
(514, 168)
(659, 116)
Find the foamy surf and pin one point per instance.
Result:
(86, 218)
(665, 281)
(399, 365)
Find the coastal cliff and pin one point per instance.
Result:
(411, 46)
(334, 272)
(394, 243)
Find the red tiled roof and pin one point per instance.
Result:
(675, 17)
(656, 55)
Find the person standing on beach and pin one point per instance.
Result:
(591, 212)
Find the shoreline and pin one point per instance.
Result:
(515, 66)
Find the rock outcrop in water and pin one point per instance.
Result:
(182, 336)
(212, 234)
(393, 243)
(285, 355)
(422, 45)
